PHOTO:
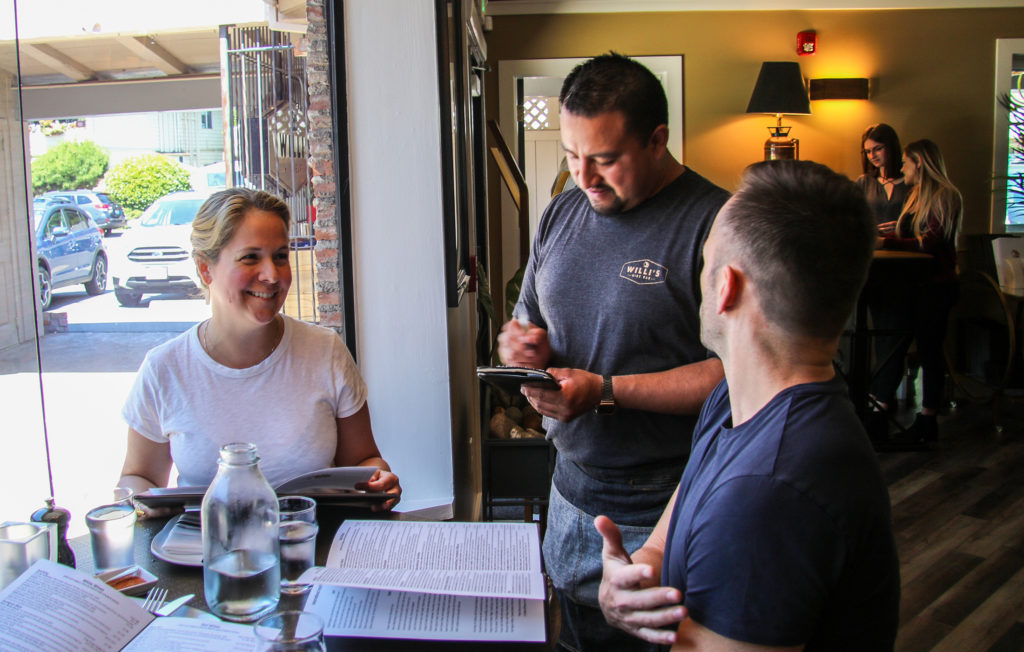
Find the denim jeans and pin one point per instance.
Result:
(572, 547)
(584, 629)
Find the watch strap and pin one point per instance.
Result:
(607, 403)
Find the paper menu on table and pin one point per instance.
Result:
(54, 607)
(371, 613)
(193, 635)
(443, 581)
(495, 560)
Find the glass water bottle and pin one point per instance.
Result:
(241, 567)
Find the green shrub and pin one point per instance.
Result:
(137, 182)
(69, 166)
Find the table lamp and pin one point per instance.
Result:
(780, 90)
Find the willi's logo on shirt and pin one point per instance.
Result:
(644, 272)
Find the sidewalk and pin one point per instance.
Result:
(103, 313)
(86, 375)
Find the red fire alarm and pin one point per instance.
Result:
(807, 42)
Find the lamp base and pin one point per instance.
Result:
(781, 149)
(780, 145)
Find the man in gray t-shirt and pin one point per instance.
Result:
(611, 297)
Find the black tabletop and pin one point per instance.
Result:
(179, 580)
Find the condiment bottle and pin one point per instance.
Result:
(241, 566)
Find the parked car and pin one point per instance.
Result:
(158, 256)
(98, 205)
(70, 250)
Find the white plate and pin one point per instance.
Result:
(157, 548)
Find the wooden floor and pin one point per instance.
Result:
(958, 515)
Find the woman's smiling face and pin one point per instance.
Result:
(251, 278)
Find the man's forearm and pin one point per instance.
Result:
(681, 390)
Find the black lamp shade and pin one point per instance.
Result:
(780, 89)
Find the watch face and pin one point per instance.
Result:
(605, 408)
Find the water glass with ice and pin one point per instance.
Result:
(112, 531)
(297, 536)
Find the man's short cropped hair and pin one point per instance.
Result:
(805, 235)
(612, 82)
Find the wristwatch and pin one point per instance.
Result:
(607, 403)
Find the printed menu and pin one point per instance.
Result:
(54, 607)
(435, 581)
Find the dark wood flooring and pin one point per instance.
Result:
(958, 516)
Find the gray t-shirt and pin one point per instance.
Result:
(619, 294)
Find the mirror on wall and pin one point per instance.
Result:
(1008, 157)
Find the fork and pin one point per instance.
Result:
(154, 599)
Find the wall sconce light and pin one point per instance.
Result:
(780, 90)
(852, 88)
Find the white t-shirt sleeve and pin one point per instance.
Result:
(351, 388)
(140, 409)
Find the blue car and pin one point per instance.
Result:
(107, 214)
(69, 247)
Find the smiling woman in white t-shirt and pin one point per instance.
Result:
(248, 373)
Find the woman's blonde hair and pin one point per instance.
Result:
(219, 216)
(933, 194)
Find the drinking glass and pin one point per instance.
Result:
(297, 537)
(21, 545)
(290, 631)
(112, 531)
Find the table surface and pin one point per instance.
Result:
(179, 580)
(896, 253)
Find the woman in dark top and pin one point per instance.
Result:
(882, 181)
(929, 223)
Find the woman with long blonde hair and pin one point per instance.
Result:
(929, 223)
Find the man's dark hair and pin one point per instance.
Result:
(612, 82)
(806, 236)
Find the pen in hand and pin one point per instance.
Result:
(524, 324)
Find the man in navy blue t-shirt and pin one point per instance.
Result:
(779, 535)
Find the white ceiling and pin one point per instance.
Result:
(82, 42)
(71, 41)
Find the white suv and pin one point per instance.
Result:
(157, 252)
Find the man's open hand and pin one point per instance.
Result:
(630, 596)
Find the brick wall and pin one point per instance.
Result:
(321, 163)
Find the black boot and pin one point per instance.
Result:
(878, 426)
(925, 429)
